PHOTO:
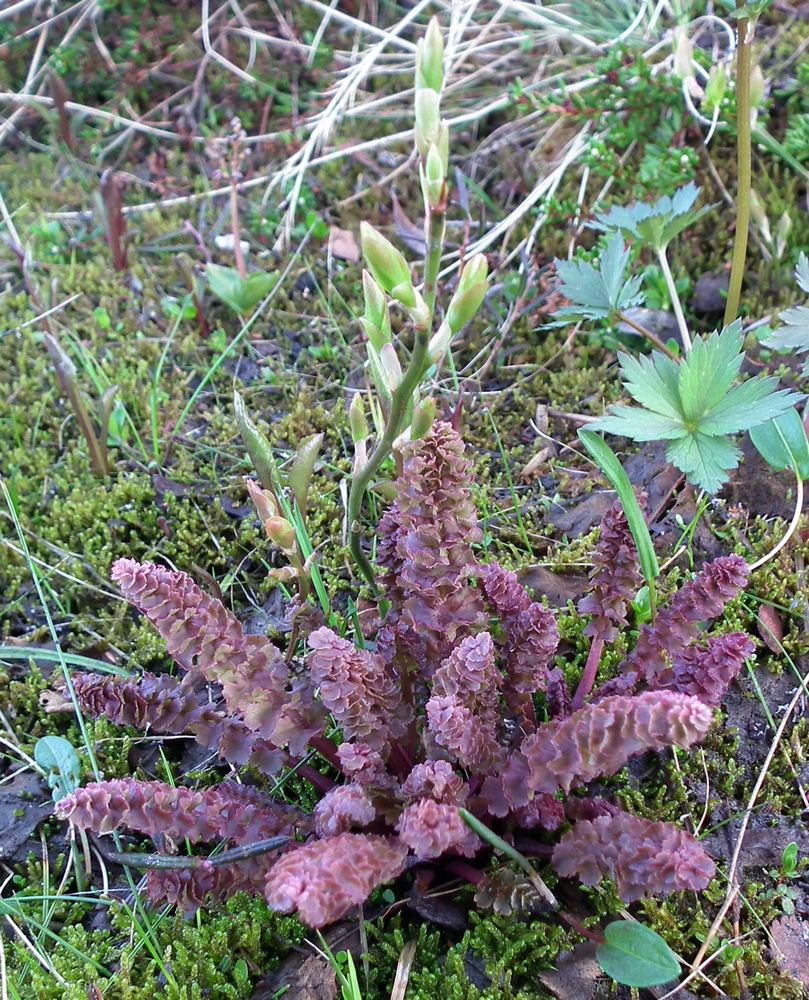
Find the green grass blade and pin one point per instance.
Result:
(606, 459)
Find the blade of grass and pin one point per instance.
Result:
(146, 931)
(606, 459)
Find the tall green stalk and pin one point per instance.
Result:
(744, 155)
(401, 398)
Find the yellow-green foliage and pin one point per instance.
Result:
(217, 954)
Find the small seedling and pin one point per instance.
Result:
(241, 294)
(96, 437)
(58, 759)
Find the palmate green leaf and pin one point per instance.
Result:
(705, 460)
(639, 424)
(695, 405)
(710, 369)
(653, 382)
(598, 292)
(794, 334)
(752, 403)
(657, 224)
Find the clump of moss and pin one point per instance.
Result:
(218, 954)
(502, 956)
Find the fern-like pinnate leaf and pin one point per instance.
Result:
(657, 224)
(794, 334)
(598, 292)
(695, 405)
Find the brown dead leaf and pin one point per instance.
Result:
(344, 245)
(559, 588)
(55, 701)
(533, 467)
(575, 976)
(408, 232)
(770, 627)
(790, 937)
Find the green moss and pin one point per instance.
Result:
(220, 954)
(506, 952)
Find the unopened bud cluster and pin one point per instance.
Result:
(277, 528)
(432, 133)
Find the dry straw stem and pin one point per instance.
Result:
(733, 887)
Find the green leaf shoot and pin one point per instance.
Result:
(657, 224)
(599, 292)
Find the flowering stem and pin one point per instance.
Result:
(401, 399)
(662, 259)
(234, 226)
(588, 677)
(743, 169)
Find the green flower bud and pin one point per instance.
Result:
(430, 58)
(281, 532)
(428, 120)
(472, 288)
(439, 342)
(376, 305)
(432, 179)
(405, 293)
(391, 367)
(385, 262)
(716, 86)
(356, 417)
(464, 306)
(442, 144)
(475, 269)
(376, 321)
(376, 336)
(423, 417)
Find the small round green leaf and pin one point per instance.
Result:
(635, 955)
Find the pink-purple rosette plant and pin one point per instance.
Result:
(455, 701)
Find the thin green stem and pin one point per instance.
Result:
(400, 399)
(432, 263)
(744, 156)
(676, 305)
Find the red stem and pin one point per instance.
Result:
(588, 677)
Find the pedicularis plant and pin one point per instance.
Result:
(452, 701)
